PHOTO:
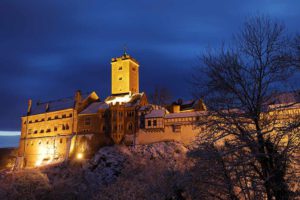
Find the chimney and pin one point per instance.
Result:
(29, 106)
(78, 96)
(78, 99)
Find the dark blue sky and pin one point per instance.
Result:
(51, 48)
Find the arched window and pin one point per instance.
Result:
(130, 126)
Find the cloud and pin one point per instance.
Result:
(52, 48)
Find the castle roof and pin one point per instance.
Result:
(285, 98)
(127, 99)
(50, 106)
(95, 107)
(156, 113)
(55, 105)
(184, 114)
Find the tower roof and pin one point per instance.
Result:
(125, 56)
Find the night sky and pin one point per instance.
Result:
(51, 48)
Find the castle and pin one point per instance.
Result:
(76, 127)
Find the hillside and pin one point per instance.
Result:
(156, 171)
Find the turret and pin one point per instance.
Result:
(29, 106)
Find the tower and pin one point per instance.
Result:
(124, 75)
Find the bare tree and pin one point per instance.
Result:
(241, 81)
(160, 96)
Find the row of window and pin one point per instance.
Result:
(289, 112)
(50, 118)
(182, 119)
(127, 114)
(121, 68)
(120, 127)
(64, 127)
(61, 141)
(154, 123)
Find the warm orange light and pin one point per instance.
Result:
(79, 156)
(38, 163)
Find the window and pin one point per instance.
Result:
(63, 127)
(149, 122)
(35, 132)
(42, 119)
(70, 115)
(56, 116)
(49, 118)
(48, 130)
(24, 122)
(176, 128)
(87, 121)
(63, 116)
(130, 127)
(55, 128)
(67, 127)
(120, 68)
(133, 69)
(30, 122)
(36, 120)
(154, 122)
(42, 131)
(120, 78)
(61, 140)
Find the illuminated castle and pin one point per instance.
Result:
(76, 127)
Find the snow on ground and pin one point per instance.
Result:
(113, 172)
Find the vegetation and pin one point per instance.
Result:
(254, 147)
